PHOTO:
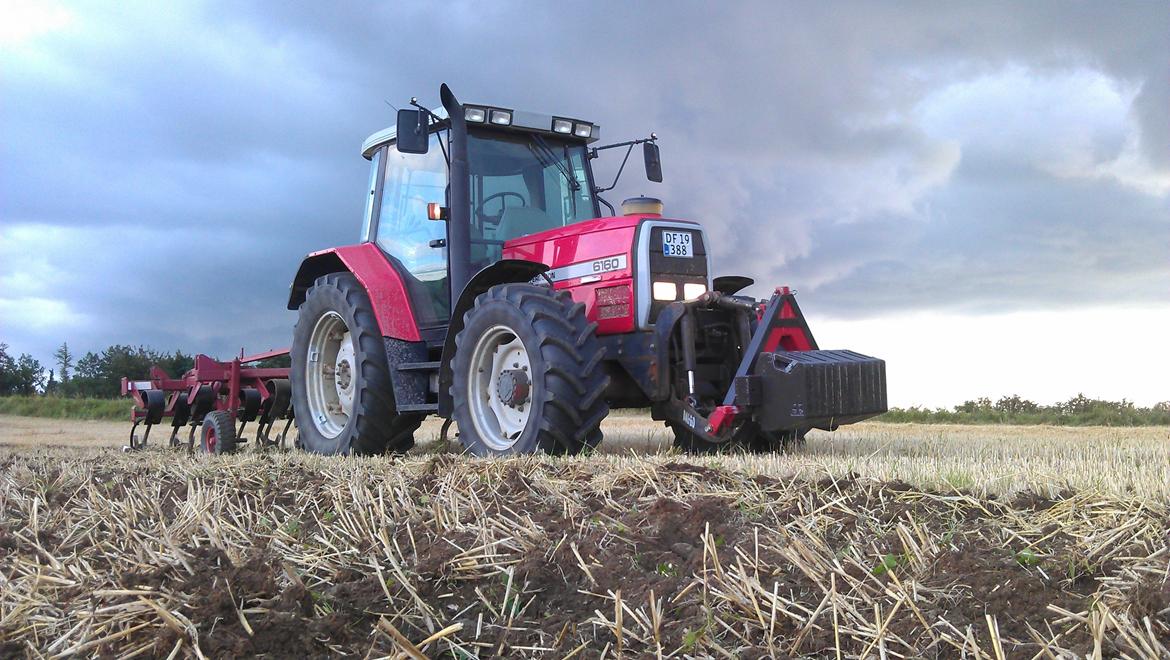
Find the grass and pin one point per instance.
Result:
(158, 554)
(63, 408)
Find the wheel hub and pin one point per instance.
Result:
(513, 388)
(500, 388)
(331, 375)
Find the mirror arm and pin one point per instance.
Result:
(439, 121)
(630, 144)
(607, 205)
(593, 152)
(623, 166)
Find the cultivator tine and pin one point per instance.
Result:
(191, 438)
(135, 443)
(276, 406)
(181, 408)
(284, 433)
(149, 408)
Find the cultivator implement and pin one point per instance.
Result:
(221, 398)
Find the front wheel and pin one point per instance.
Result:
(528, 374)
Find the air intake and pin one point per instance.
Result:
(642, 206)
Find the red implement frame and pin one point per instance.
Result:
(245, 392)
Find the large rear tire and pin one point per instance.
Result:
(527, 374)
(342, 396)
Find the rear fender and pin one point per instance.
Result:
(502, 272)
(378, 277)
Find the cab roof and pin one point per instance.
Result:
(523, 120)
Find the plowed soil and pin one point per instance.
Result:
(286, 555)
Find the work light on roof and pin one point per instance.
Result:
(475, 114)
(562, 126)
(583, 130)
(501, 117)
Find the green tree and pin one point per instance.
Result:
(8, 375)
(30, 375)
(64, 361)
(1014, 404)
(87, 381)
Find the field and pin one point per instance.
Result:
(881, 540)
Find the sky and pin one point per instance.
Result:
(978, 193)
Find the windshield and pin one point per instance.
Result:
(524, 184)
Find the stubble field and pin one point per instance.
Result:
(880, 540)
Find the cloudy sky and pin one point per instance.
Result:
(979, 193)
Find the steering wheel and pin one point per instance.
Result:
(495, 220)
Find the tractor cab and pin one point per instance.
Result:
(528, 173)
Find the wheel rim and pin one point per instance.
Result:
(330, 375)
(499, 388)
(210, 439)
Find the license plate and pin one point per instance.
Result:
(677, 244)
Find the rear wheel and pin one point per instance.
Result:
(342, 396)
(527, 374)
(219, 433)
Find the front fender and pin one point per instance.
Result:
(378, 276)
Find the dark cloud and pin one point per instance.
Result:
(165, 166)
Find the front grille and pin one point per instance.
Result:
(680, 270)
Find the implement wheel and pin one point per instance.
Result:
(527, 374)
(342, 396)
(219, 433)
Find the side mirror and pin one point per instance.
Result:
(653, 161)
(412, 132)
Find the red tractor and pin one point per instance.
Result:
(488, 289)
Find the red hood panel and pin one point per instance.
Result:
(584, 227)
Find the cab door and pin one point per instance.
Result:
(415, 243)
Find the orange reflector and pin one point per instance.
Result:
(435, 211)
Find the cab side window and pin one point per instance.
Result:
(412, 181)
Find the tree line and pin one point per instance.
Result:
(1080, 410)
(94, 375)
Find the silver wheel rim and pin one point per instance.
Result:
(330, 375)
(498, 423)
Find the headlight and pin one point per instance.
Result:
(475, 114)
(665, 291)
(692, 290)
(502, 117)
(583, 130)
(562, 126)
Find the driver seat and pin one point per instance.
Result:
(521, 221)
